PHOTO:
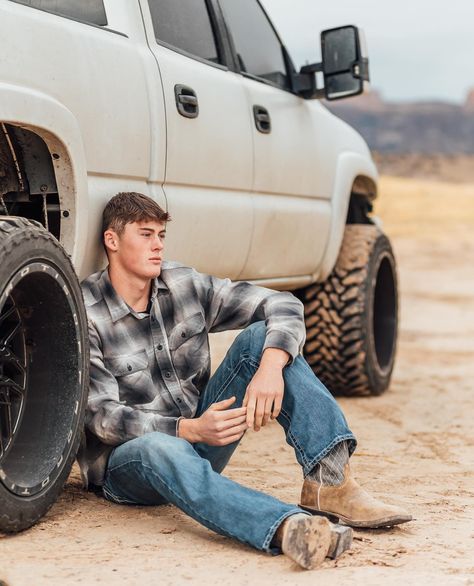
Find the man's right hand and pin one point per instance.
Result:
(218, 426)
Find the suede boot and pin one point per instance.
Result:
(308, 540)
(350, 503)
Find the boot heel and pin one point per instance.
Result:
(341, 540)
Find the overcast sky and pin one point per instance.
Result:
(418, 49)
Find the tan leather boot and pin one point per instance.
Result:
(308, 540)
(350, 503)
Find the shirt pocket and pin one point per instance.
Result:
(186, 329)
(127, 364)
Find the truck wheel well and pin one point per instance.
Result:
(363, 192)
(28, 186)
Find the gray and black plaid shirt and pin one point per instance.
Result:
(148, 370)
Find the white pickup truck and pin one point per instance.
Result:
(196, 103)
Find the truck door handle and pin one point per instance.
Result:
(186, 101)
(262, 119)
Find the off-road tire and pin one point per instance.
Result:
(43, 371)
(352, 318)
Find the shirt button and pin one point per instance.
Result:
(160, 347)
(129, 367)
(179, 400)
(167, 374)
(183, 334)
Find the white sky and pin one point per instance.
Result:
(418, 49)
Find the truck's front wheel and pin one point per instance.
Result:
(351, 318)
(43, 371)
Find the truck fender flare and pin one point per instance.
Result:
(58, 127)
(350, 167)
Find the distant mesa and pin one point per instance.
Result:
(371, 101)
(410, 127)
(469, 103)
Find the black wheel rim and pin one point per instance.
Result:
(41, 364)
(385, 313)
(13, 375)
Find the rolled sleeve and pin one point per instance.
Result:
(283, 341)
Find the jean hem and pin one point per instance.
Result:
(323, 453)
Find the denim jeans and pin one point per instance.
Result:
(157, 468)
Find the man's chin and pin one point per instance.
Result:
(155, 273)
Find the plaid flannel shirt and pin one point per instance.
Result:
(148, 370)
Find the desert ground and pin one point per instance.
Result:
(416, 448)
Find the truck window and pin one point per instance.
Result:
(90, 11)
(258, 47)
(186, 25)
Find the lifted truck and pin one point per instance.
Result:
(197, 104)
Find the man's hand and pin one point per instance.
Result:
(264, 394)
(217, 426)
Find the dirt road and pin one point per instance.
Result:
(415, 447)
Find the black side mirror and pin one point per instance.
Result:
(345, 63)
(345, 66)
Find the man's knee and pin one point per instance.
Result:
(253, 338)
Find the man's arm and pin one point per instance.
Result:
(236, 305)
(233, 306)
(110, 420)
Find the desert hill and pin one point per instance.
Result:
(418, 127)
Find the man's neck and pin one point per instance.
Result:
(132, 289)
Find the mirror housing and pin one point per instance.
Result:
(345, 66)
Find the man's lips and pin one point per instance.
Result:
(155, 259)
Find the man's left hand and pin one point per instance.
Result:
(264, 394)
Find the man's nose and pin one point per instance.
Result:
(158, 243)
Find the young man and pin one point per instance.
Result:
(159, 429)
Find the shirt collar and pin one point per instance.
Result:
(115, 304)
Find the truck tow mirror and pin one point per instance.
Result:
(345, 66)
(345, 62)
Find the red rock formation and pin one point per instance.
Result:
(469, 103)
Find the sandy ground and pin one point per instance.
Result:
(415, 448)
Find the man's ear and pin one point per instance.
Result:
(111, 241)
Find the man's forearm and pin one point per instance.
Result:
(274, 358)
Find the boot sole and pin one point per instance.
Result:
(309, 540)
(374, 524)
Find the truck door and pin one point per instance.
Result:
(209, 161)
(291, 195)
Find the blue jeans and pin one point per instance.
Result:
(157, 468)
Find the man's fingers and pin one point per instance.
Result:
(231, 413)
(221, 405)
(234, 430)
(259, 413)
(234, 422)
(250, 412)
(230, 440)
(277, 406)
(268, 411)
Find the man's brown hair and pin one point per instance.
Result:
(129, 206)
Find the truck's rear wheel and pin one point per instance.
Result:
(43, 371)
(351, 318)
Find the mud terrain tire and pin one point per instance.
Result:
(352, 318)
(43, 371)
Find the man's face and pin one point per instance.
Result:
(138, 251)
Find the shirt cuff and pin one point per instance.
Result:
(283, 341)
(168, 425)
(177, 426)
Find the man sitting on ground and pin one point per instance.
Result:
(160, 430)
